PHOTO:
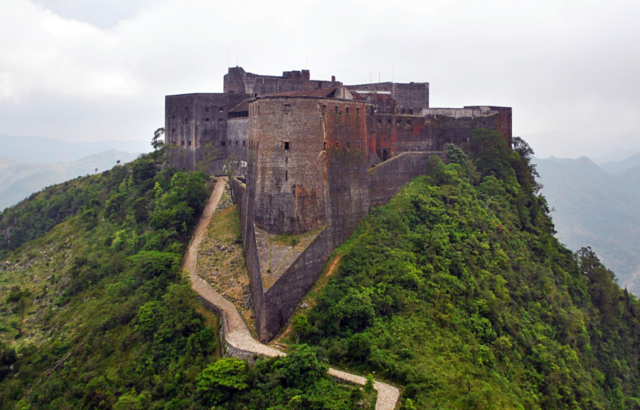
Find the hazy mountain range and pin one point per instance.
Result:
(19, 180)
(598, 206)
(42, 149)
(29, 164)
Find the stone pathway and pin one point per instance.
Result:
(237, 338)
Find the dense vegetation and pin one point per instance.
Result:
(98, 315)
(458, 290)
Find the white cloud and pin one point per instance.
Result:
(567, 68)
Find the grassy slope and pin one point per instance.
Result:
(108, 320)
(458, 291)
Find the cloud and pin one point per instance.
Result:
(567, 68)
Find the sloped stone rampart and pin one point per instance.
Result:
(235, 336)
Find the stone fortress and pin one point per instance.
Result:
(312, 157)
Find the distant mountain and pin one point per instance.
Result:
(595, 208)
(19, 180)
(613, 167)
(41, 149)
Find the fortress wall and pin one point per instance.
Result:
(346, 163)
(237, 138)
(290, 187)
(239, 81)
(194, 120)
(451, 130)
(387, 178)
(400, 133)
(281, 300)
(503, 121)
(242, 197)
(413, 96)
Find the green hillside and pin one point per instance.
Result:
(458, 290)
(95, 313)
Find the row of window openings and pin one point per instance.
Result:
(286, 145)
(398, 122)
(224, 143)
(337, 110)
(220, 120)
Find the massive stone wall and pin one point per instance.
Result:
(454, 125)
(237, 80)
(411, 97)
(197, 125)
(290, 189)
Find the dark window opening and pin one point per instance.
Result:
(236, 142)
(325, 146)
(244, 143)
(324, 108)
(181, 142)
(189, 143)
(285, 145)
(337, 144)
(221, 109)
(347, 110)
(206, 119)
(336, 109)
(389, 122)
(286, 175)
(287, 108)
(379, 121)
(222, 143)
(357, 110)
(173, 130)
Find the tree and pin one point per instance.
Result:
(156, 141)
(208, 153)
(220, 379)
(301, 326)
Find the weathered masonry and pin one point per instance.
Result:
(315, 157)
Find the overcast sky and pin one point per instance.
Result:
(89, 70)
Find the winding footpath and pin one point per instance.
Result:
(237, 338)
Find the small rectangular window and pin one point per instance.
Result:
(357, 110)
(206, 119)
(221, 109)
(286, 175)
(325, 146)
(244, 143)
(347, 110)
(285, 145)
(220, 120)
(222, 143)
(379, 121)
(389, 122)
(336, 109)
(236, 142)
(189, 143)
